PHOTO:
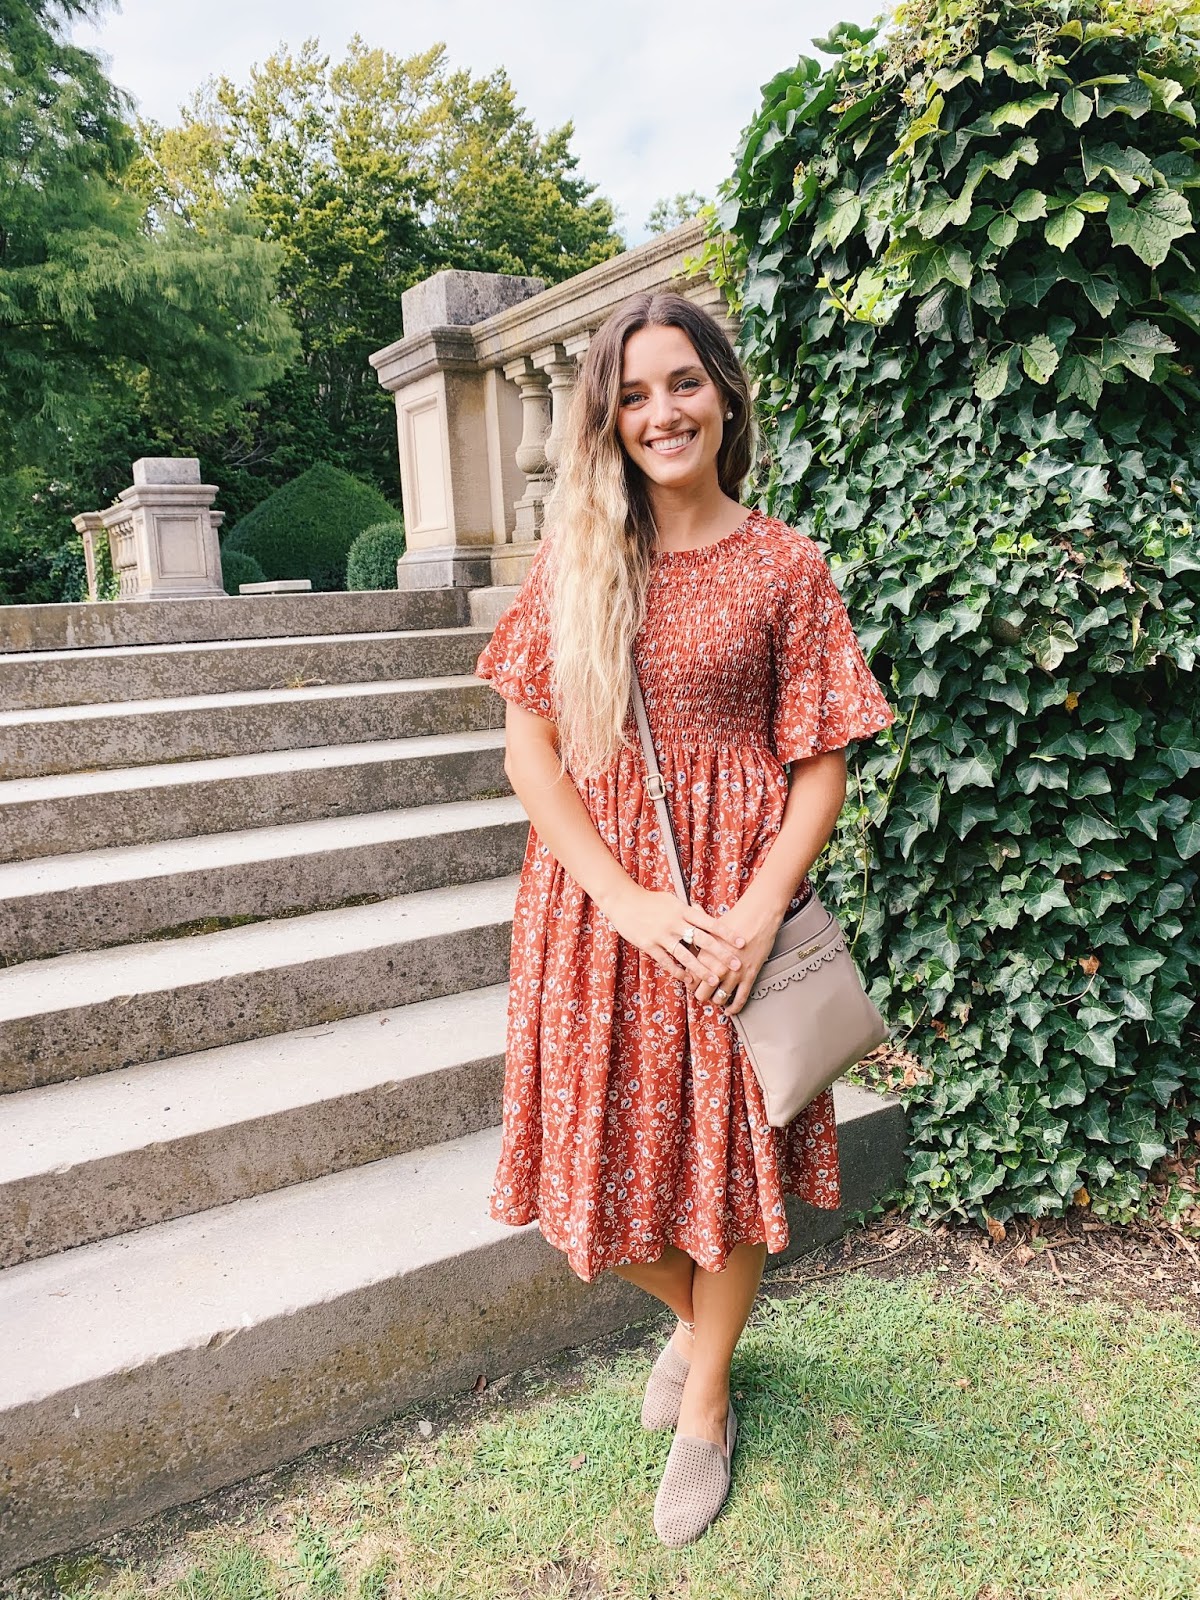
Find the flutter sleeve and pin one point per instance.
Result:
(516, 660)
(825, 693)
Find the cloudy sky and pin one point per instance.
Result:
(658, 94)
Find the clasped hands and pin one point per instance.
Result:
(724, 955)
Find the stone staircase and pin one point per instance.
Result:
(257, 867)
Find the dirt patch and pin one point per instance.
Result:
(1145, 1263)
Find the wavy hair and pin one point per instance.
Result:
(600, 530)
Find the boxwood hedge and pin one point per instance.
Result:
(371, 563)
(966, 262)
(305, 529)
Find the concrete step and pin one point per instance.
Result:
(40, 678)
(102, 1156)
(73, 1015)
(128, 622)
(255, 1331)
(91, 899)
(71, 811)
(74, 738)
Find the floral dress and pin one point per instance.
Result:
(632, 1117)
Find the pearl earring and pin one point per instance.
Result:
(729, 416)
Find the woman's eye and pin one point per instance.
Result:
(690, 383)
(631, 397)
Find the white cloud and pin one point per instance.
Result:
(658, 95)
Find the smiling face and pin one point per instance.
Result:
(671, 415)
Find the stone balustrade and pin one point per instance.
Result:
(162, 533)
(482, 378)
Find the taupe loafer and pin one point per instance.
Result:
(664, 1390)
(695, 1485)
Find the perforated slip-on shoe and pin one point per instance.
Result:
(664, 1390)
(695, 1485)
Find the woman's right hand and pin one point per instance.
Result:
(653, 920)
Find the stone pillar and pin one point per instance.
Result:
(162, 532)
(455, 426)
(88, 524)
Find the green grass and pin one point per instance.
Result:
(897, 1441)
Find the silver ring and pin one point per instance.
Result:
(687, 938)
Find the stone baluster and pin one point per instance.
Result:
(561, 371)
(534, 388)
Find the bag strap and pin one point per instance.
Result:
(657, 790)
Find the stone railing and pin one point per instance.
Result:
(162, 533)
(482, 379)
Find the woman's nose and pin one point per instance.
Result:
(663, 410)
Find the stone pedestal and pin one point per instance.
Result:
(458, 425)
(162, 532)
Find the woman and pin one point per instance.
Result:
(634, 1128)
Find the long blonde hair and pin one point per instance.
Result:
(600, 530)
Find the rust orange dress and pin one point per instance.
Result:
(632, 1118)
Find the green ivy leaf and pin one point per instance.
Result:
(941, 209)
(1077, 106)
(1031, 287)
(934, 266)
(1029, 205)
(1163, 91)
(1150, 227)
(1022, 112)
(974, 769)
(992, 378)
(950, 77)
(1187, 839)
(1064, 228)
(1137, 346)
(1100, 290)
(838, 217)
(1003, 59)
(1129, 169)
(1133, 99)
(1039, 358)
(1051, 642)
(1002, 230)
(1081, 376)
(920, 127)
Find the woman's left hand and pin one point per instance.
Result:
(756, 921)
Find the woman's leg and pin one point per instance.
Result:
(721, 1304)
(668, 1279)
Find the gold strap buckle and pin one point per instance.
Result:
(655, 787)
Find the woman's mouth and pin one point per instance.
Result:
(671, 444)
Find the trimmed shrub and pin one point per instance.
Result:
(305, 529)
(371, 563)
(237, 567)
(966, 261)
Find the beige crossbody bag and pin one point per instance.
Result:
(808, 1017)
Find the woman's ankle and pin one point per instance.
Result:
(682, 1337)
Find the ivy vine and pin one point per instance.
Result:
(966, 265)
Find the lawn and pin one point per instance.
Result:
(912, 1435)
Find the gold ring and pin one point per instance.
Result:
(687, 938)
(720, 996)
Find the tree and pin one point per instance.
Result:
(102, 315)
(673, 211)
(966, 260)
(370, 174)
(90, 299)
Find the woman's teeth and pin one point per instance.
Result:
(666, 447)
